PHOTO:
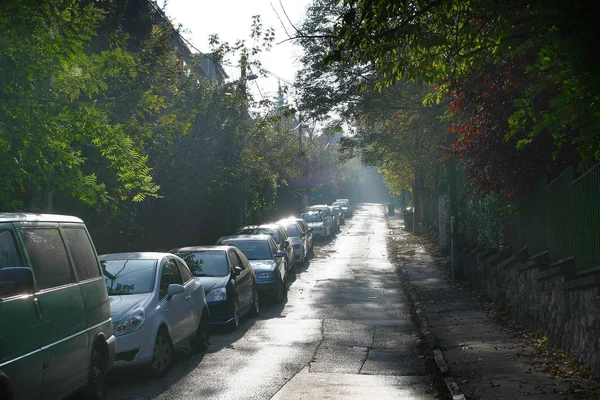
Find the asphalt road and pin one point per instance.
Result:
(344, 332)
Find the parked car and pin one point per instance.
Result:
(338, 211)
(336, 220)
(56, 333)
(156, 304)
(324, 208)
(338, 217)
(318, 224)
(344, 204)
(299, 239)
(228, 279)
(307, 232)
(267, 261)
(280, 236)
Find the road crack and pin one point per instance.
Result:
(318, 345)
(369, 348)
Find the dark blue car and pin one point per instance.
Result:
(228, 280)
(268, 262)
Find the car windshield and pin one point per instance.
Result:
(292, 230)
(253, 249)
(206, 263)
(312, 218)
(340, 204)
(124, 277)
(261, 231)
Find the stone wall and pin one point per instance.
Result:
(544, 298)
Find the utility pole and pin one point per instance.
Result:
(300, 144)
(243, 62)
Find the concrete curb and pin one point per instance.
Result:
(432, 342)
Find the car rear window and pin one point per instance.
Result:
(124, 277)
(206, 263)
(253, 249)
(312, 217)
(292, 230)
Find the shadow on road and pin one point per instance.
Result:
(128, 379)
(221, 337)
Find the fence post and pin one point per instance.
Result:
(455, 243)
(443, 241)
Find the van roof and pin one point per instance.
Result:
(31, 217)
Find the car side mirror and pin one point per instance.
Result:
(174, 289)
(15, 281)
(237, 270)
(280, 254)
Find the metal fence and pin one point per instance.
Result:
(559, 214)
(562, 218)
(586, 221)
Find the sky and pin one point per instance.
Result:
(231, 20)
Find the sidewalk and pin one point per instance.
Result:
(483, 359)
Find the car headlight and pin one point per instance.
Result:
(217, 294)
(131, 323)
(265, 275)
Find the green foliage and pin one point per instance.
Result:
(55, 108)
(104, 115)
(475, 49)
(481, 217)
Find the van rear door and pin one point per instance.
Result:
(20, 330)
(64, 335)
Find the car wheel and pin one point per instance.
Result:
(96, 388)
(280, 292)
(200, 340)
(235, 322)
(162, 357)
(256, 302)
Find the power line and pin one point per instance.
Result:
(207, 55)
(274, 75)
(259, 90)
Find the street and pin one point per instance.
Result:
(344, 332)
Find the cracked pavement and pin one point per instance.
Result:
(344, 332)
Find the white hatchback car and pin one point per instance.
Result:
(156, 304)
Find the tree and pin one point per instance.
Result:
(548, 116)
(55, 113)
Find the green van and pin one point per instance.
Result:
(55, 328)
